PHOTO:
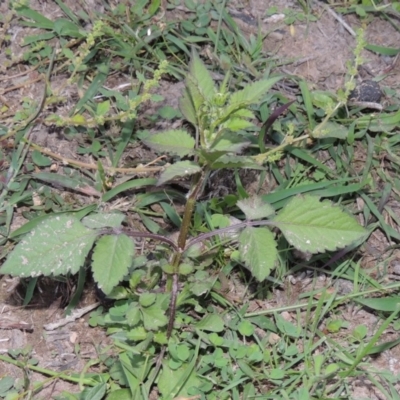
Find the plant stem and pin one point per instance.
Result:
(172, 280)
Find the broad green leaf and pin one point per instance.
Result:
(257, 248)
(210, 156)
(153, 7)
(194, 94)
(153, 317)
(230, 142)
(330, 130)
(120, 394)
(40, 160)
(201, 282)
(134, 366)
(287, 327)
(387, 304)
(56, 246)
(38, 38)
(103, 220)
(255, 208)
(97, 392)
(66, 181)
(237, 124)
(313, 226)
(183, 378)
(177, 142)
(40, 20)
(245, 328)
(133, 315)
(112, 258)
(147, 299)
(187, 108)
(201, 76)
(211, 323)
(103, 107)
(33, 223)
(65, 27)
(243, 113)
(6, 384)
(179, 169)
(233, 161)
(323, 100)
(252, 93)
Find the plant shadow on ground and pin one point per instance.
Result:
(223, 343)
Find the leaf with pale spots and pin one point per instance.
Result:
(315, 227)
(257, 249)
(255, 208)
(112, 258)
(179, 169)
(56, 246)
(103, 220)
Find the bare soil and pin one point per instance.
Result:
(316, 51)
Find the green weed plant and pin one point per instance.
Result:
(144, 320)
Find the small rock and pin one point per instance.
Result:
(366, 91)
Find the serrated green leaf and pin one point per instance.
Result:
(201, 76)
(103, 220)
(313, 226)
(154, 318)
(187, 108)
(179, 169)
(257, 248)
(57, 245)
(112, 258)
(252, 93)
(255, 208)
(147, 299)
(177, 142)
(233, 161)
(196, 97)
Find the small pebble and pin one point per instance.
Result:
(396, 269)
(366, 91)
